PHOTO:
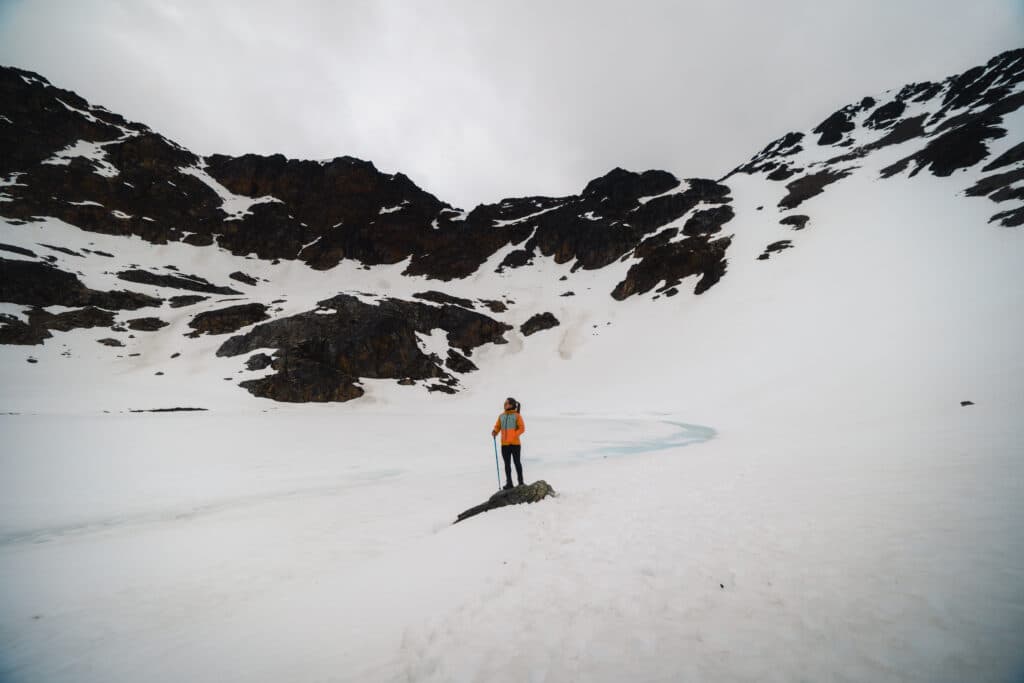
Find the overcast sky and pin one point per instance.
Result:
(479, 100)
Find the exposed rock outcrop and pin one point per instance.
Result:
(538, 322)
(40, 284)
(145, 324)
(322, 354)
(227, 320)
(192, 283)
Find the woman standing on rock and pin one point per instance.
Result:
(510, 424)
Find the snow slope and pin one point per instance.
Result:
(774, 480)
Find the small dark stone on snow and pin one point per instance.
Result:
(159, 374)
(175, 355)
(32, 360)
(110, 342)
(966, 403)
(569, 293)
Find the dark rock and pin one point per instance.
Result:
(538, 322)
(14, 331)
(62, 250)
(494, 306)
(709, 221)
(159, 373)
(671, 262)
(192, 283)
(230, 319)
(569, 293)
(517, 258)
(186, 300)
(809, 186)
(783, 172)
(1010, 156)
(40, 322)
(175, 355)
(258, 361)
(442, 298)
(110, 342)
(459, 363)
(169, 410)
(767, 159)
(527, 493)
(1010, 219)
(322, 355)
(71, 320)
(146, 324)
(243, 278)
(17, 250)
(886, 114)
(31, 360)
(958, 148)
(407, 381)
(441, 388)
(775, 247)
(966, 403)
(798, 221)
(40, 284)
(834, 127)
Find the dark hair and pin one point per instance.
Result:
(516, 406)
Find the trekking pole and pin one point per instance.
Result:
(497, 471)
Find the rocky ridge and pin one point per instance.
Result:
(81, 164)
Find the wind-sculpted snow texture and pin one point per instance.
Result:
(64, 162)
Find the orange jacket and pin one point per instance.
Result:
(511, 429)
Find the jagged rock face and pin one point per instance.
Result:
(671, 262)
(61, 157)
(40, 284)
(968, 112)
(322, 354)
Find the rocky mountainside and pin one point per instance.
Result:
(112, 233)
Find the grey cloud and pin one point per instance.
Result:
(481, 100)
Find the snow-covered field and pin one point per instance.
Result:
(772, 481)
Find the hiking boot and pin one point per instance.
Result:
(507, 486)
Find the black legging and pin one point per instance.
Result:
(508, 452)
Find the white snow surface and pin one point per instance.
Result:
(93, 151)
(772, 481)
